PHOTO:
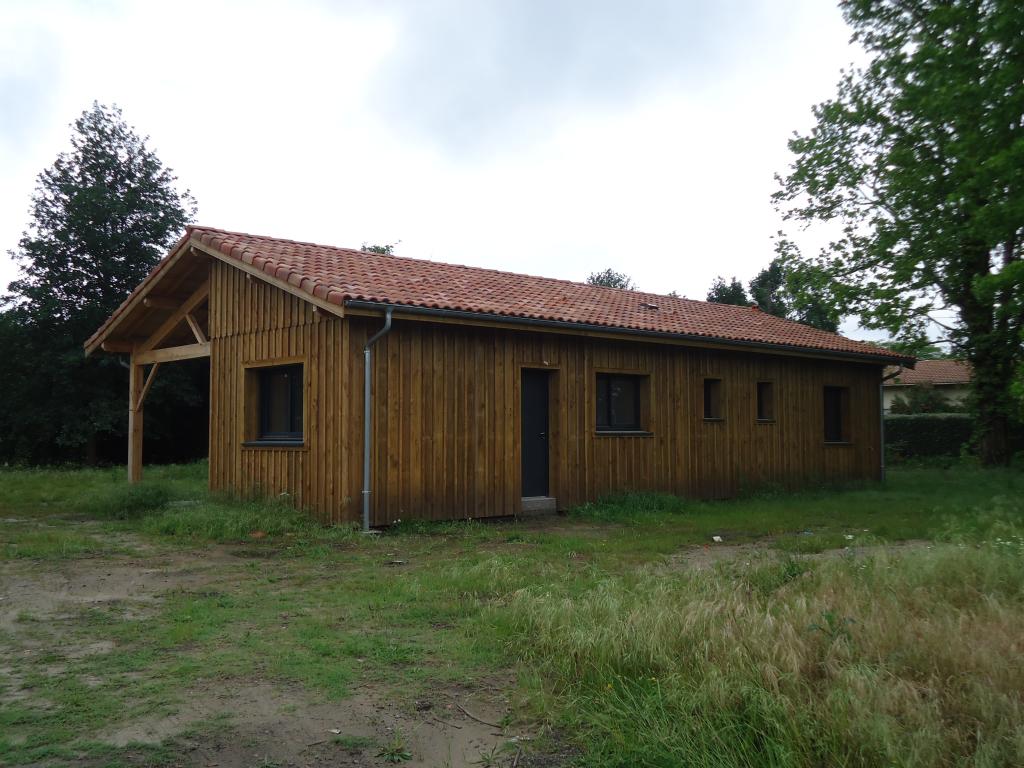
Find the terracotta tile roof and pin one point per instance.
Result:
(932, 372)
(342, 275)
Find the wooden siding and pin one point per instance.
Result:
(447, 413)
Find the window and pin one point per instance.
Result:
(837, 404)
(618, 402)
(280, 401)
(765, 401)
(712, 399)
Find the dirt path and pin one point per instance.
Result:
(261, 722)
(284, 725)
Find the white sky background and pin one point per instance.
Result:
(553, 137)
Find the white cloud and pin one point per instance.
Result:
(292, 123)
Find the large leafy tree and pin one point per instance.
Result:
(609, 278)
(920, 157)
(768, 289)
(101, 217)
(730, 291)
(783, 291)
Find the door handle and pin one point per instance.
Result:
(543, 435)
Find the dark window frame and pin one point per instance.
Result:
(764, 401)
(713, 407)
(606, 420)
(836, 414)
(295, 406)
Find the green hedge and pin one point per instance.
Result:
(927, 434)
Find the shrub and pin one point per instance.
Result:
(928, 434)
(925, 398)
(125, 502)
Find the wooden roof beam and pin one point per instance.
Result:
(176, 318)
(124, 347)
(160, 302)
(172, 354)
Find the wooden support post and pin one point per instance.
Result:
(136, 387)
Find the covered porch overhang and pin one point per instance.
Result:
(166, 319)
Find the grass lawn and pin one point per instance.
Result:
(156, 625)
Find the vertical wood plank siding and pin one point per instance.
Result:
(447, 411)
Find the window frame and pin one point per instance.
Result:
(640, 426)
(769, 386)
(254, 405)
(842, 392)
(717, 398)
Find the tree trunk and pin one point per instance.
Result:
(990, 353)
(993, 442)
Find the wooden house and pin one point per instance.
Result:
(376, 388)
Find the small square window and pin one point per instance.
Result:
(837, 419)
(713, 399)
(280, 403)
(619, 402)
(765, 401)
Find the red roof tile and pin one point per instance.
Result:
(933, 372)
(342, 275)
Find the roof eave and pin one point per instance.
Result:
(485, 317)
(138, 295)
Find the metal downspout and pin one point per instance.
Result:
(367, 409)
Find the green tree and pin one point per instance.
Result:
(732, 292)
(783, 291)
(101, 218)
(768, 289)
(609, 278)
(919, 156)
(922, 349)
(388, 249)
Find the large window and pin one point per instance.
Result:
(619, 406)
(713, 399)
(280, 403)
(837, 418)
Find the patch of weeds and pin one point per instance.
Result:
(767, 578)
(395, 751)
(53, 544)
(631, 507)
(227, 520)
(812, 543)
(493, 757)
(126, 501)
(833, 626)
(465, 530)
(352, 743)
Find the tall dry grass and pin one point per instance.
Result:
(911, 660)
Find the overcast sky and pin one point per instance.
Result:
(554, 137)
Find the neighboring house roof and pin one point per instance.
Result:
(931, 372)
(341, 276)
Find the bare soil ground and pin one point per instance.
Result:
(265, 722)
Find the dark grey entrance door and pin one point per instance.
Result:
(535, 432)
